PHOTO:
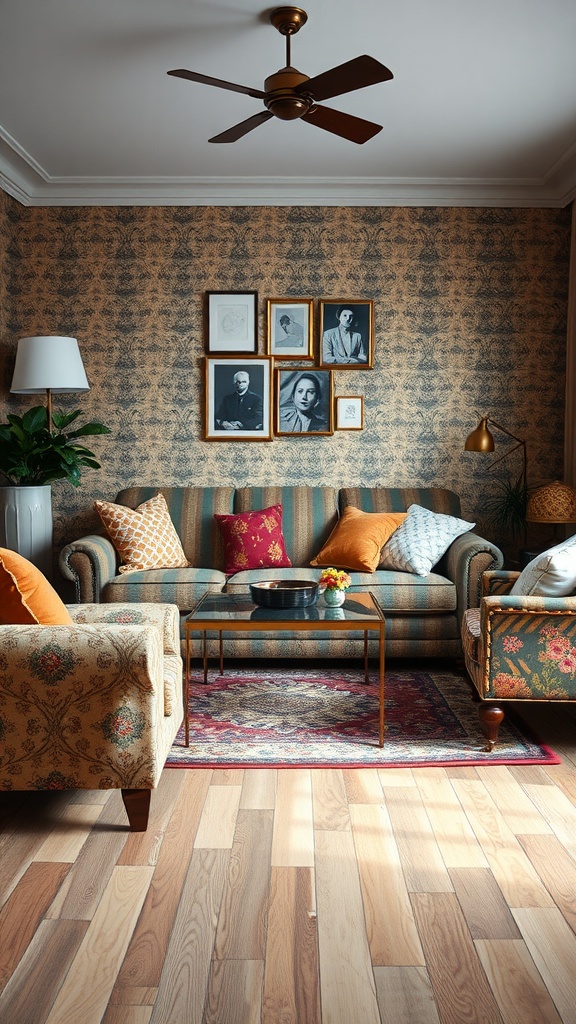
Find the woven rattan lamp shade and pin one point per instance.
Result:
(554, 503)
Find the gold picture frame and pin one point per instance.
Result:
(347, 334)
(290, 328)
(304, 400)
(234, 412)
(349, 412)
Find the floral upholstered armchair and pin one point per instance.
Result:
(92, 705)
(518, 647)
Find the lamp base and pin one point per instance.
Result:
(26, 524)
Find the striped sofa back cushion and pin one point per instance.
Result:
(192, 511)
(309, 514)
(397, 499)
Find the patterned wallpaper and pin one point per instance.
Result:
(470, 317)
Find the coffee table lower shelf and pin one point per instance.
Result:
(220, 613)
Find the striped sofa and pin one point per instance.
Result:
(423, 614)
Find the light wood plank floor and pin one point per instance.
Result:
(399, 896)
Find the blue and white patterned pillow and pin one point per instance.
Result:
(421, 540)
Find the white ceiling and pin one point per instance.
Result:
(481, 111)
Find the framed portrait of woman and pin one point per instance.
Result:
(304, 402)
(347, 334)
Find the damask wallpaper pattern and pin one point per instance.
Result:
(470, 311)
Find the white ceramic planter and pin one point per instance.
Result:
(26, 524)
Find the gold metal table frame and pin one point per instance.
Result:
(220, 613)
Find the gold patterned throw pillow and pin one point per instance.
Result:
(145, 537)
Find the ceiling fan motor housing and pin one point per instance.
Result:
(281, 99)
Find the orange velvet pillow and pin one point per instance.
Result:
(26, 596)
(358, 538)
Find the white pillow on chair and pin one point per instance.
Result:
(550, 574)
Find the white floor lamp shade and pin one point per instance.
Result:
(48, 364)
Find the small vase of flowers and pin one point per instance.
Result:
(334, 583)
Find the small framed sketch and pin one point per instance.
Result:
(232, 321)
(347, 334)
(350, 412)
(289, 328)
(238, 399)
(304, 402)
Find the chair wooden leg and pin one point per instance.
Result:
(491, 717)
(137, 804)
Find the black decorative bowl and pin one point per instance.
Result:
(284, 593)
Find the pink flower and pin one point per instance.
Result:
(568, 662)
(512, 644)
(557, 648)
(509, 686)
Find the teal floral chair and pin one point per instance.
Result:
(94, 705)
(518, 648)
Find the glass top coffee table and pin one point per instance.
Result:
(219, 613)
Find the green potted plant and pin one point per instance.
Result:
(32, 455)
(506, 509)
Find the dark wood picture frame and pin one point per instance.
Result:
(231, 322)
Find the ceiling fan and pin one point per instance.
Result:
(288, 94)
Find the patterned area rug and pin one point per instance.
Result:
(325, 717)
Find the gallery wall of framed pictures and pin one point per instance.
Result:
(252, 397)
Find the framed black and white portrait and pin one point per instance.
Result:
(238, 399)
(290, 328)
(232, 321)
(304, 402)
(347, 334)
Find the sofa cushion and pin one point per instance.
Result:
(421, 540)
(357, 539)
(183, 587)
(26, 596)
(550, 574)
(253, 540)
(144, 537)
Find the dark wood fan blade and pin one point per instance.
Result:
(354, 74)
(355, 129)
(193, 76)
(235, 133)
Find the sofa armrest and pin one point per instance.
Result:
(514, 631)
(499, 581)
(468, 557)
(90, 563)
(81, 706)
(165, 616)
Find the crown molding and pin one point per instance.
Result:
(31, 185)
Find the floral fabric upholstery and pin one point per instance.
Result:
(83, 706)
(521, 648)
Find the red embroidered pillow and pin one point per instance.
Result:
(253, 540)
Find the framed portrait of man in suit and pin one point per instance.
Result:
(238, 399)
